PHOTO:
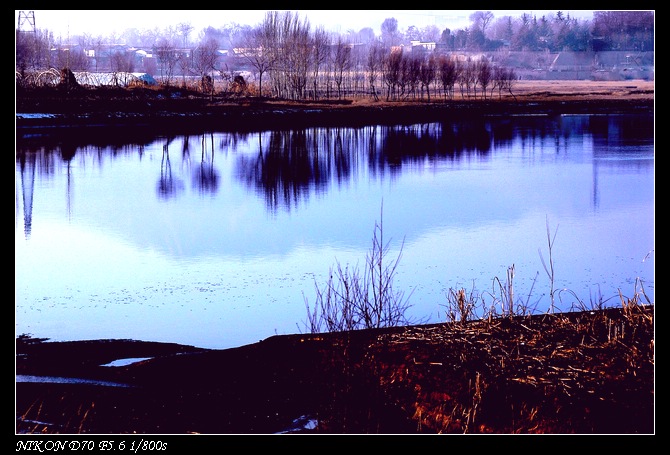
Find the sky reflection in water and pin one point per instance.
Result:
(216, 240)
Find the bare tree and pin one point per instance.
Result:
(374, 65)
(499, 75)
(24, 51)
(298, 47)
(510, 80)
(330, 71)
(258, 47)
(32, 51)
(464, 70)
(121, 62)
(474, 76)
(481, 20)
(430, 33)
(75, 59)
(410, 70)
(342, 61)
(427, 73)
(484, 75)
(390, 34)
(184, 61)
(204, 62)
(167, 57)
(366, 35)
(504, 79)
(391, 72)
(97, 44)
(184, 30)
(448, 75)
(356, 75)
(320, 52)
(412, 34)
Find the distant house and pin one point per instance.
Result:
(422, 46)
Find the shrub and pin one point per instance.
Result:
(355, 299)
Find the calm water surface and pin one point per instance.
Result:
(217, 240)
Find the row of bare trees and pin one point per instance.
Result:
(293, 63)
(409, 76)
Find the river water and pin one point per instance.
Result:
(219, 239)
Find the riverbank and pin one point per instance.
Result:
(185, 113)
(585, 372)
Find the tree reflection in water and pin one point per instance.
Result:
(168, 186)
(205, 176)
(292, 163)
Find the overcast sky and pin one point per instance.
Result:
(104, 22)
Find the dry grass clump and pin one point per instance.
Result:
(575, 372)
(354, 299)
(496, 366)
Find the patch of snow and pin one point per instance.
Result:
(36, 115)
(34, 422)
(61, 380)
(301, 423)
(124, 362)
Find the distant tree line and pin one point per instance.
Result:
(290, 60)
(609, 30)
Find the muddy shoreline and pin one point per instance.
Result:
(567, 373)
